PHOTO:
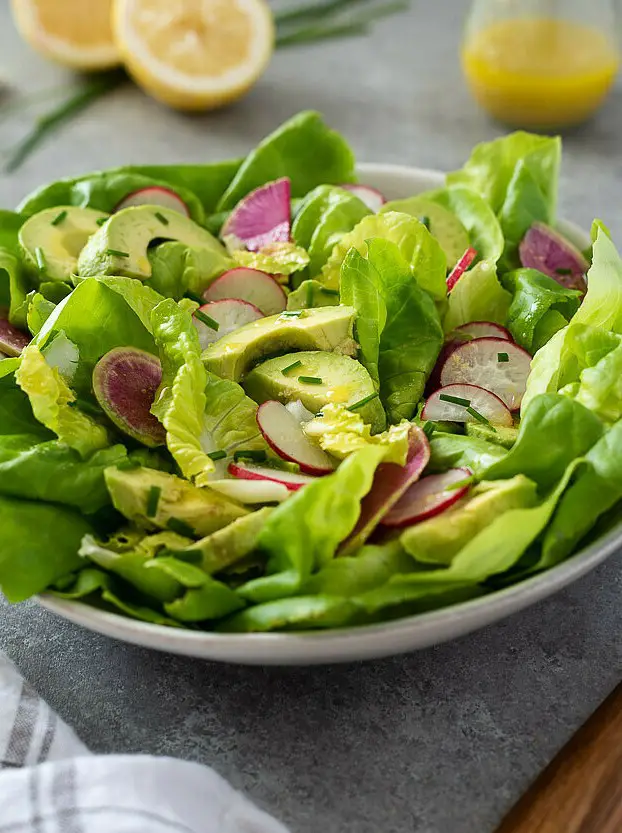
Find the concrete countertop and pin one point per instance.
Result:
(443, 741)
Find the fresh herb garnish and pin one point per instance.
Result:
(290, 367)
(455, 400)
(425, 221)
(362, 402)
(117, 253)
(503, 357)
(101, 220)
(59, 218)
(180, 527)
(40, 258)
(562, 271)
(207, 320)
(476, 415)
(162, 218)
(310, 380)
(249, 454)
(291, 313)
(194, 297)
(153, 499)
(327, 291)
(217, 455)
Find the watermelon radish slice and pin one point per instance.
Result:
(492, 363)
(291, 480)
(284, 434)
(250, 285)
(155, 195)
(429, 497)
(460, 268)
(125, 383)
(545, 249)
(372, 197)
(263, 217)
(12, 340)
(219, 318)
(466, 403)
(251, 491)
(481, 329)
(390, 484)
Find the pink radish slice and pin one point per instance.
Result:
(263, 217)
(482, 329)
(293, 481)
(284, 434)
(155, 195)
(390, 484)
(440, 408)
(12, 340)
(545, 249)
(250, 285)
(372, 197)
(492, 363)
(428, 497)
(228, 314)
(460, 268)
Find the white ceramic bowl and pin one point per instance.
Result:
(369, 641)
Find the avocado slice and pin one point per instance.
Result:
(156, 500)
(442, 224)
(501, 435)
(120, 246)
(439, 539)
(328, 328)
(51, 241)
(344, 382)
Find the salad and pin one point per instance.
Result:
(255, 395)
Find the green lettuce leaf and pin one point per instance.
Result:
(299, 613)
(477, 296)
(449, 451)
(39, 310)
(177, 269)
(311, 294)
(16, 416)
(276, 259)
(14, 288)
(600, 386)
(372, 566)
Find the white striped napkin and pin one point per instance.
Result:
(51, 783)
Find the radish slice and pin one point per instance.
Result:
(298, 410)
(291, 480)
(372, 197)
(428, 497)
(460, 268)
(544, 249)
(219, 318)
(484, 405)
(284, 434)
(12, 340)
(390, 484)
(155, 195)
(251, 491)
(263, 217)
(492, 363)
(482, 329)
(250, 285)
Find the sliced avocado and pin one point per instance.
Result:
(329, 328)
(439, 539)
(505, 437)
(344, 382)
(52, 240)
(442, 224)
(120, 245)
(156, 500)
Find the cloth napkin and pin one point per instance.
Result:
(51, 783)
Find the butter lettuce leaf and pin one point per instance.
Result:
(177, 269)
(477, 296)
(276, 259)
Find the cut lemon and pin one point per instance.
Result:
(194, 54)
(77, 33)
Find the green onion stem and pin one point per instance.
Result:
(314, 11)
(308, 34)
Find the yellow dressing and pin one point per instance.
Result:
(540, 73)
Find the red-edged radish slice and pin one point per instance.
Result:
(429, 497)
(545, 249)
(452, 404)
(298, 410)
(291, 480)
(12, 340)
(481, 329)
(284, 434)
(155, 195)
(390, 483)
(263, 217)
(251, 491)
(495, 364)
(372, 197)
(219, 318)
(250, 285)
(460, 268)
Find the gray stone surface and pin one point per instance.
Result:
(438, 742)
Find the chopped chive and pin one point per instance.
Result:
(562, 271)
(217, 455)
(289, 367)
(161, 218)
(117, 253)
(503, 357)
(193, 297)
(101, 220)
(59, 218)
(207, 320)
(128, 465)
(85, 406)
(455, 400)
(476, 414)
(425, 221)
(249, 454)
(428, 428)
(310, 294)
(310, 380)
(153, 499)
(180, 527)
(362, 402)
(330, 291)
(291, 313)
(40, 258)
